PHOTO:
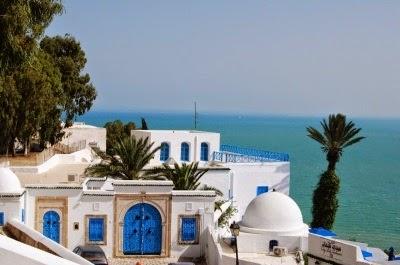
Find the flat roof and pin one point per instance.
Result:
(174, 131)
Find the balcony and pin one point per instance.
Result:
(235, 154)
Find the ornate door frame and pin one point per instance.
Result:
(122, 203)
(60, 206)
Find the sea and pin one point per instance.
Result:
(369, 198)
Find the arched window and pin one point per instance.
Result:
(204, 152)
(164, 152)
(184, 151)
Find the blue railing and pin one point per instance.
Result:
(235, 154)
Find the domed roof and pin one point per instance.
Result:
(9, 182)
(273, 211)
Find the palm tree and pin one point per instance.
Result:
(337, 134)
(129, 158)
(184, 177)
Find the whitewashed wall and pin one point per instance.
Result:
(91, 205)
(204, 206)
(12, 208)
(247, 176)
(175, 138)
(88, 133)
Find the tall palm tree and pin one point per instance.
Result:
(184, 177)
(337, 134)
(129, 157)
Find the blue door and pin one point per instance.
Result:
(51, 226)
(142, 230)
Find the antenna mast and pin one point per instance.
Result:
(195, 115)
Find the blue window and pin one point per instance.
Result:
(189, 230)
(262, 189)
(185, 152)
(164, 152)
(96, 229)
(204, 152)
(1, 218)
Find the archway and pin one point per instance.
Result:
(142, 230)
(51, 225)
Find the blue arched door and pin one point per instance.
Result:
(142, 230)
(51, 226)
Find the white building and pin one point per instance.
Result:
(90, 135)
(125, 218)
(240, 173)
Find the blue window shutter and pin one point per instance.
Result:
(1, 218)
(164, 152)
(188, 229)
(204, 152)
(262, 189)
(96, 229)
(185, 152)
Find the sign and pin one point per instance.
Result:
(331, 249)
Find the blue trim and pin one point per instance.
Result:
(51, 226)
(321, 231)
(204, 151)
(262, 189)
(230, 153)
(1, 218)
(189, 229)
(96, 229)
(184, 152)
(366, 254)
(164, 151)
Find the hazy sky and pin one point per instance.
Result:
(272, 57)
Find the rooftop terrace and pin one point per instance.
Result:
(235, 154)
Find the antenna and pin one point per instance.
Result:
(195, 115)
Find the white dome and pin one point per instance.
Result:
(273, 212)
(9, 182)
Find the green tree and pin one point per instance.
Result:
(337, 134)
(144, 124)
(129, 159)
(184, 177)
(78, 92)
(116, 130)
(22, 23)
(39, 86)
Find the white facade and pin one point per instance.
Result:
(112, 201)
(237, 175)
(175, 138)
(79, 131)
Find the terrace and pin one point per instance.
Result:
(235, 154)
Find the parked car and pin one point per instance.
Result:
(92, 253)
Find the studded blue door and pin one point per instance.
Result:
(51, 226)
(142, 230)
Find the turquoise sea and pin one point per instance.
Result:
(369, 197)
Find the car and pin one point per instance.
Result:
(92, 253)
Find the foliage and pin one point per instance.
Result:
(130, 157)
(184, 177)
(224, 219)
(78, 93)
(337, 134)
(22, 23)
(325, 203)
(144, 124)
(116, 130)
(39, 84)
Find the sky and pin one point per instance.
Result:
(267, 57)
